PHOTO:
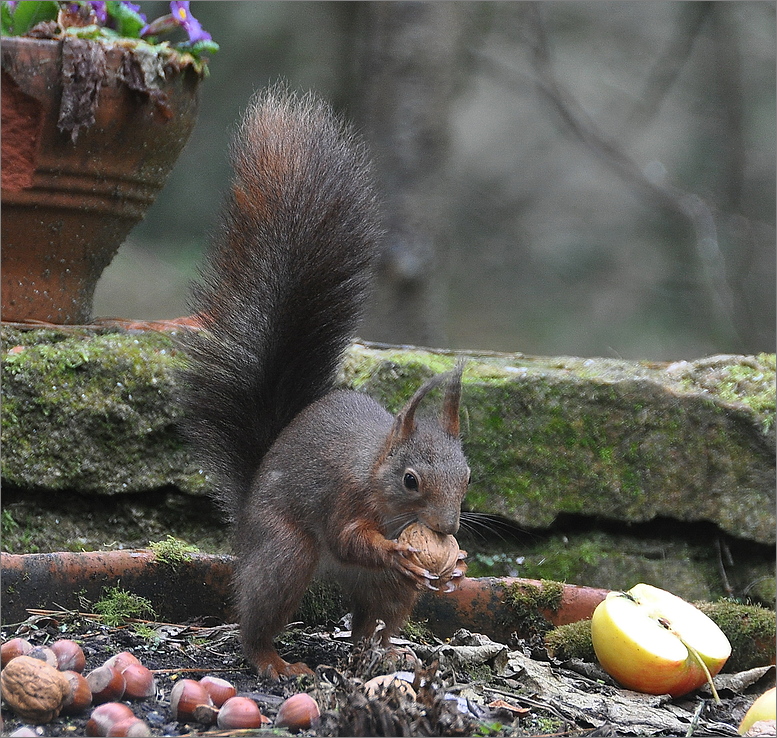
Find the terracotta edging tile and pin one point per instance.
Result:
(201, 586)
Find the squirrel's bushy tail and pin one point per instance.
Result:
(283, 284)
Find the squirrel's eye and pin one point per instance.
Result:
(410, 480)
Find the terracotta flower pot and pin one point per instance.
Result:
(67, 204)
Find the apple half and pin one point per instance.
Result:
(652, 641)
(764, 708)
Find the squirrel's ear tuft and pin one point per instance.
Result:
(450, 407)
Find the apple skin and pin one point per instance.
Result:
(635, 646)
(764, 708)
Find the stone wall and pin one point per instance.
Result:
(597, 461)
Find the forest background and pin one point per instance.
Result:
(579, 178)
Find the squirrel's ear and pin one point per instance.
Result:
(404, 423)
(450, 407)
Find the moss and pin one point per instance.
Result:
(628, 441)
(73, 522)
(418, 631)
(536, 724)
(746, 380)
(92, 412)
(477, 673)
(19, 533)
(397, 374)
(529, 603)
(572, 641)
(117, 606)
(172, 551)
(562, 559)
(630, 450)
(750, 630)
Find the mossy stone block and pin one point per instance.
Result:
(95, 412)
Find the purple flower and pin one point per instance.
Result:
(183, 17)
(100, 10)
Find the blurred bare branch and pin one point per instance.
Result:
(670, 63)
(705, 250)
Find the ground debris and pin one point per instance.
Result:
(469, 685)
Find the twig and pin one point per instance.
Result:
(719, 545)
(695, 720)
(195, 670)
(98, 617)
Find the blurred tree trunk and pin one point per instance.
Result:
(410, 64)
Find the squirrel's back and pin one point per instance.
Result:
(283, 286)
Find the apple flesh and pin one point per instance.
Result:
(646, 638)
(764, 708)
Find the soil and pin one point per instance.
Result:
(467, 700)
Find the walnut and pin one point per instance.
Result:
(33, 689)
(437, 552)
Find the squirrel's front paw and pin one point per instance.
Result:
(458, 573)
(404, 561)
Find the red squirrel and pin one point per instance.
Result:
(315, 481)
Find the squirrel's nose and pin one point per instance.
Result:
(448, 526)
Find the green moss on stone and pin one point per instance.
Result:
(95, 412)
(750, 630)
(395, 376)
(321, 604)
(529, 603)
(572, 641)
(172, 551)
(92, 412)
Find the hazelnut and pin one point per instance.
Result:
(107, 684)
(33, 689)
(239, 712)
(205, 714)
(132, 727)
(44, 653)
(139, 682)
(220, 690)
(79, 698)
(185, 697)
(122, 660)
(13, 648)
(436, 552)
(69, 655)
(104, 717)
(297, 713)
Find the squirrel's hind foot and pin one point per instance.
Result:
(270, 665)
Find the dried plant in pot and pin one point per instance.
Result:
(92, 124)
